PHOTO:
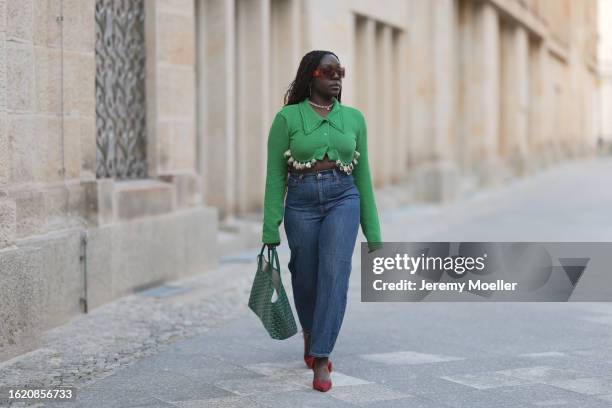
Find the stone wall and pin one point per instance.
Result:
(70, 242)
(458, 94)
(604, 119)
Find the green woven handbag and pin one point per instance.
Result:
(276, 316)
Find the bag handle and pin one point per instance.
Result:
(274, 272)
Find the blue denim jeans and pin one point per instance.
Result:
(321, 220)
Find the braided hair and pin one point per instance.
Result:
(299, 88)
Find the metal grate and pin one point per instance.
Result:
(120, 89)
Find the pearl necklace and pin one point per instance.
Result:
(326, 107)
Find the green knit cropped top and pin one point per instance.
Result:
(298, 137)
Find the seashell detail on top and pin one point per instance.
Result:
(298, 165)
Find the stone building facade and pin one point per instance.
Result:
(605, 72)
(127, 142)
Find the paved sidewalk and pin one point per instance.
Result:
(195, 343)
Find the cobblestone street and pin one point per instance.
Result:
(194, 342)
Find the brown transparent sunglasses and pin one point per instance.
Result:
(328, 71)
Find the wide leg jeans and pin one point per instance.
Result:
(321, 220)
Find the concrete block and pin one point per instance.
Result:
(24, 158)
(41, 288)
(20, 20)
(79, 25)
(3, 16)
(46, 27)
(20, 292)
(61, 271)
(176, 38)
(79, 84)
(48, 133)
(56, 204)
(7, 222)
(176, 92)
(30, 214)
(176, 138)
(187, 189)
(521, 164)
(20, 77)
(176, 6)
(141, 198)
(72, 147)
(48, 79)
(152, 249)
(77, 201)
(88, 147)
(490, 171)
(4, 151)
(3, 72)
(43, 278)
(98, 196)
(436, 182)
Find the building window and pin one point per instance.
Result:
(120, 89)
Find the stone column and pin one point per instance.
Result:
(401, 101)
(253, 92)
(171, 104)
(483, 110)
(539, 106)
(216, 102)
(437, 177)
(366, 67)
(384, 132)
(515, 98)
(285, 30)
(421, 83)
(170, 87)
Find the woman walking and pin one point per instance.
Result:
(318, 156)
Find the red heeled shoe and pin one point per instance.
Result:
(309, 360)
(321, 385)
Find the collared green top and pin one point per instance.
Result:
(298, 137)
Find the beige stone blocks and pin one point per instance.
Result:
(33, 150)
(135, 198)
(87, 133)
(47, 30)
(72, 147)
(171, 86)
(7, 221)
(175, 92)
(20, 95)
(56, 204)
(20, 18)
(176, 36)
(25, 161)
(176, 145)
(3, 76)
(176, 6)
(47, 80)
(79, 84)
(48, 133)
(4, 150)
(3, 16)
(79, 26)
(30, 212)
